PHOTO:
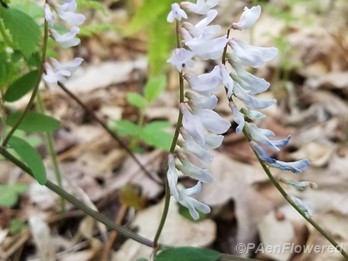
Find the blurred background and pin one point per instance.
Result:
(125, 45)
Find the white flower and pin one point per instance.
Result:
(181, 58)
(238, 117)
(197, 101)
(248, 18)
(212, 121)
(51, 76)
(68, 39)
(207, 49)
(201, 6)
(250, 101)
(206, 83)
(213, 141)
(227, 80)
(60, 71)
(192, 171)
(176, 13)
(190, 146)
(252, 114)
(172, 177)
(201, 29)
(49, 17)
(193, 125)
(262, 136)
(252, 55)
(249, 81)
(191, 203)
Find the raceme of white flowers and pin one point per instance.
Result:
(66, 11)
(202, 127)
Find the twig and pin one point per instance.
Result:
(107, 129)
(77, 203)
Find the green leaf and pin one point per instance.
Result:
(188, 254)
(153, 134)
(16, 225)
(24, 30)
(30, 157)
(34, 121)
(147, 14)
(9, 194)
(154, 87)
(136, 100)
(125, 128)
(21, 86)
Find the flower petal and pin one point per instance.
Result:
(172, 177)
(193, 125)
(252, 55)
(213, 121)
(176, 13)
(181, 58)
(248, 18)
(206, 83)
(238, 117)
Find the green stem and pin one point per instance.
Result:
(288, 199)
(51, 150)
(77, 203)
(4, 35)
(36, 88)
(172, 148)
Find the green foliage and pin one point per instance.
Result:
(93, 4)
(30, 157)
(125, 128)
(90, 30)
(137, 100)
(33, 121)
(21, 86)
(154, 87)
(31, 8)
(188, 254)
(153, 133)
(9, 194)
(24, 30)
(152, 16)
(16, 226)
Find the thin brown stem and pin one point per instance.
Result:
(112, 134)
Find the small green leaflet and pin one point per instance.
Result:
(24, 30)
(154, 87)
(34, 121)
(125, 128)
(188, 254)
(30, 157)
(21, 86)
(9, 194)
(155, 134)
(136, 100)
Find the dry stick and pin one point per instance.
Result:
(110, 132)
(120, 215)
(80, 205)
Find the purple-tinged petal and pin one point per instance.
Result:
(227, 80)
(250, 101)
(302, 206)
(295, 166)
(207, 82)
(213, 121)
(181, 58)
(176, 13)
(172, 176)
(193, 125)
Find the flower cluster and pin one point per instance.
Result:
(202, 127)
(66, 11)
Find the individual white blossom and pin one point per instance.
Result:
(68, 39)
(202, 29)
(201, 6)
(253, 56)
(212, 121)
(176, 13)
(227, 80)
(181, 58)
(248, 18)
(189, 169)
(60, 71)
(206, 83)
(207, 49)
(191, 203)
(193, 125)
